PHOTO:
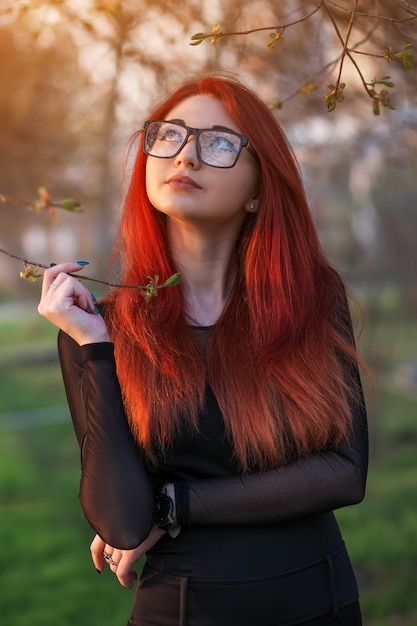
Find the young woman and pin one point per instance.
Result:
(222, 421)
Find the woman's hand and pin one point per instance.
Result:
(68, 304)
(121, 561)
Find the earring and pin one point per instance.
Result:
(252, 205)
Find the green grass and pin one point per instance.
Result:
(30, 329)
(46, 574)
(381, 533)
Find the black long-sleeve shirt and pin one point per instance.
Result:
(116, 490)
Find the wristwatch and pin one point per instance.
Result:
(164, 511)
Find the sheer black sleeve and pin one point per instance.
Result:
(332, 479)
(115, 491)
(307, 486)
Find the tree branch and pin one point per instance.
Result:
(335, 92)
(148, 290)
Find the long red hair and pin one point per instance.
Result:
(281, 360)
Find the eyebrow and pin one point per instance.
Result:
(214, 127)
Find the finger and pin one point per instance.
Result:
(96, 548)
(112, 558)
(53, 272)
(65, 291)
(124, 572)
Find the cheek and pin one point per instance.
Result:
(150, 180)
(246, 184)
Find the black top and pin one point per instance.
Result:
(260, 548)
(116, 490)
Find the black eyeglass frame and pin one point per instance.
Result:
(196, 132)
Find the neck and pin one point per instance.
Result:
(203, 258)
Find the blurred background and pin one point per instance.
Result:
(77, 78)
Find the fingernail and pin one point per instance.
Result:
(83, 263)
(98, 571)
(87, 310)
(52, 264)
(94, 299)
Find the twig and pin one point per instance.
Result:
(172, 281)
(396, 20)
(346, 51)
(199, 37)
(44, 202)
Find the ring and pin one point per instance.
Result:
(52, 286)
(108, 558)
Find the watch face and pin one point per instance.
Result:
(163, 508)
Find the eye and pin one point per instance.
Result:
(222, 143)
(170, 133)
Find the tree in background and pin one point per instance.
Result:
(77, 78)
(81, 76)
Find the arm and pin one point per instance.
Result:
(334, 478)
(115, 492)
(307, 486)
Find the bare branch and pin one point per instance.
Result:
(216, 35)
(344, 42)
(335, 91)
(44, 203)
(406, 6)
(149, 290)
(377, 16)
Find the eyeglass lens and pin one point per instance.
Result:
(216, 147)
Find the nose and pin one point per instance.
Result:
(188, 155)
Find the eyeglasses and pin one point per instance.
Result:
(215, 147)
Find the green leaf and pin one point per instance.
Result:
(333, 96)
(198, 38)
(275, 105)
(216, 34)
(307, 88)
(69, 204)
(31, 273)
(406, 56)
(173, 280)
(388, 54)
(275, 38)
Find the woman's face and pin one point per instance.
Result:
(186, 189)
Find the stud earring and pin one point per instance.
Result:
(252, 205)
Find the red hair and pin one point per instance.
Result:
(281, 360)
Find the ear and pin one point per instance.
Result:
(252, 205)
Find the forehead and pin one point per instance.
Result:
(202, 112)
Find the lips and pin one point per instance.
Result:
(182, 182)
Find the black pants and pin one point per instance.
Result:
(349, 616)
(290, 575)
(165, 600)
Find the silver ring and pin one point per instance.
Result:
(52, 286)
(109, 559)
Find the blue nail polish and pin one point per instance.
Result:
(95, 302)
(52, 264)
(83, 263)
